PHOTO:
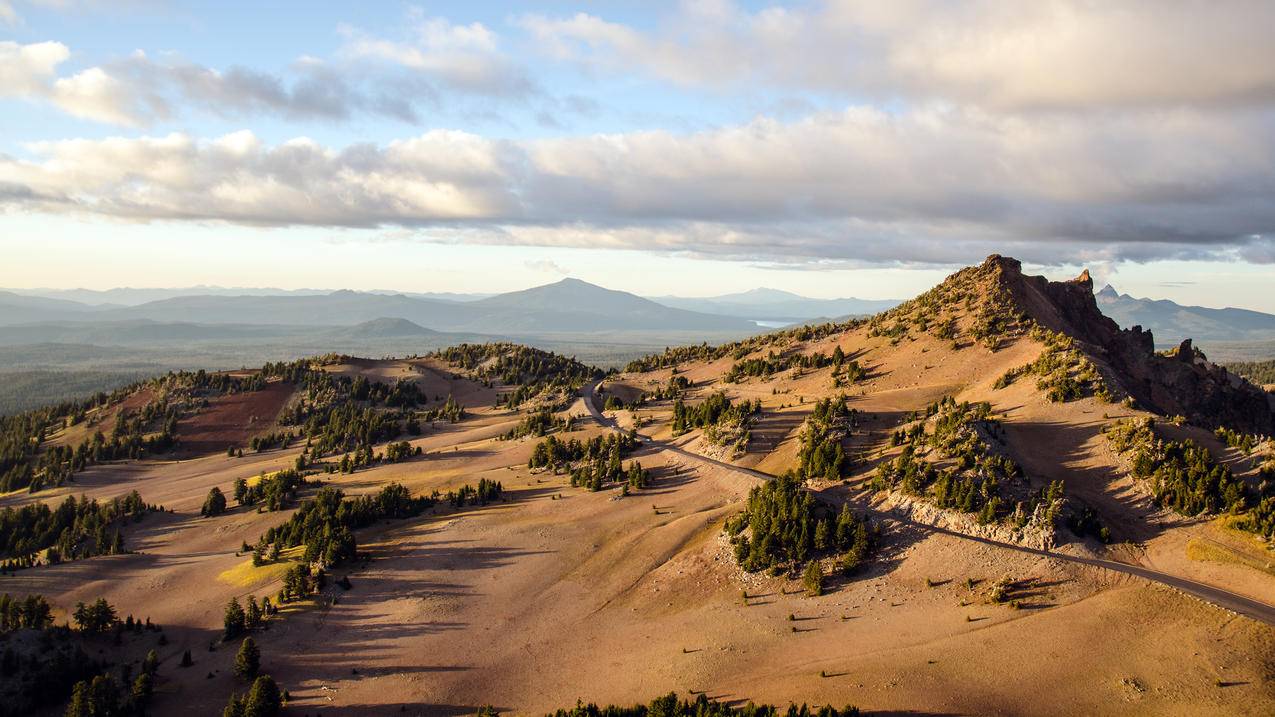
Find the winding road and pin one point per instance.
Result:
(1239, 604)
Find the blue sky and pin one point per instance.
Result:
(829, 148)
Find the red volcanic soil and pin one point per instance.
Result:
(232, 419)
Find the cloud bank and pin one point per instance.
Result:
(1060, 131)
(862, 183)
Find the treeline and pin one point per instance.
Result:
(701, 706)
(783, 527)
(534, 371)
(1183, 475)
(821, 456)
(675, 356)
(773, 363)
(1261, 373)
(75, 529)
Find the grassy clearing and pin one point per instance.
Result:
(1204, 550)
(246, 575)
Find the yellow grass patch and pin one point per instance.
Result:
(248, 575)
(1209, 551)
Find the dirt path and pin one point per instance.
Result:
(1225, 599)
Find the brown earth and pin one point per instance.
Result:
(557, 593)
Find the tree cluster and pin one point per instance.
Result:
(784, 526)
(1182, 474)
(533, 371)
(820, 455)
(274, 491)
(1062, 371)
(972, 476)
(32, 612)
(540, 424)
(77, 528)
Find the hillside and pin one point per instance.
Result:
(1172, 322)
(879, 512)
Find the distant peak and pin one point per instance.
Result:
(1108, 292)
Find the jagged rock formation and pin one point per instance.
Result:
(1184, 383)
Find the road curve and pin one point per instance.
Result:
(1239, 604)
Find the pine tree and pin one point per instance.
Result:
(233, 621)
(812, 578)
(234, 708)
(248, 660)
(214, 504)
(263, 699)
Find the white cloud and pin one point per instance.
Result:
(546, 266)
(1056, 54)
(26, 70)
(139, 91)
(463, 57)
(935, 184)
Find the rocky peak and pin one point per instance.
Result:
(1171, 385)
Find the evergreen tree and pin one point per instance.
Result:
(248, 660)
(263, 699)
(233, 621)
(214, 504)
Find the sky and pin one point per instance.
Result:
(833, 149)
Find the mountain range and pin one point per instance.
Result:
(1171, 322)
(569, 305)
(566, 307)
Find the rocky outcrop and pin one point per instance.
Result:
(1184, 383)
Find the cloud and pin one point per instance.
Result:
(1063, 54)
(933, 185)
(371, 77)
(546, 266)
(459, 57)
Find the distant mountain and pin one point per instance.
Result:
(17, 308)
(1170, 322)
(575, 305)
(774, 305)
(564, 307)
(384, 328)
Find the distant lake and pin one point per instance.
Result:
(771, 324)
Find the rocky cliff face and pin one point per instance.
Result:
(1183, 383)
